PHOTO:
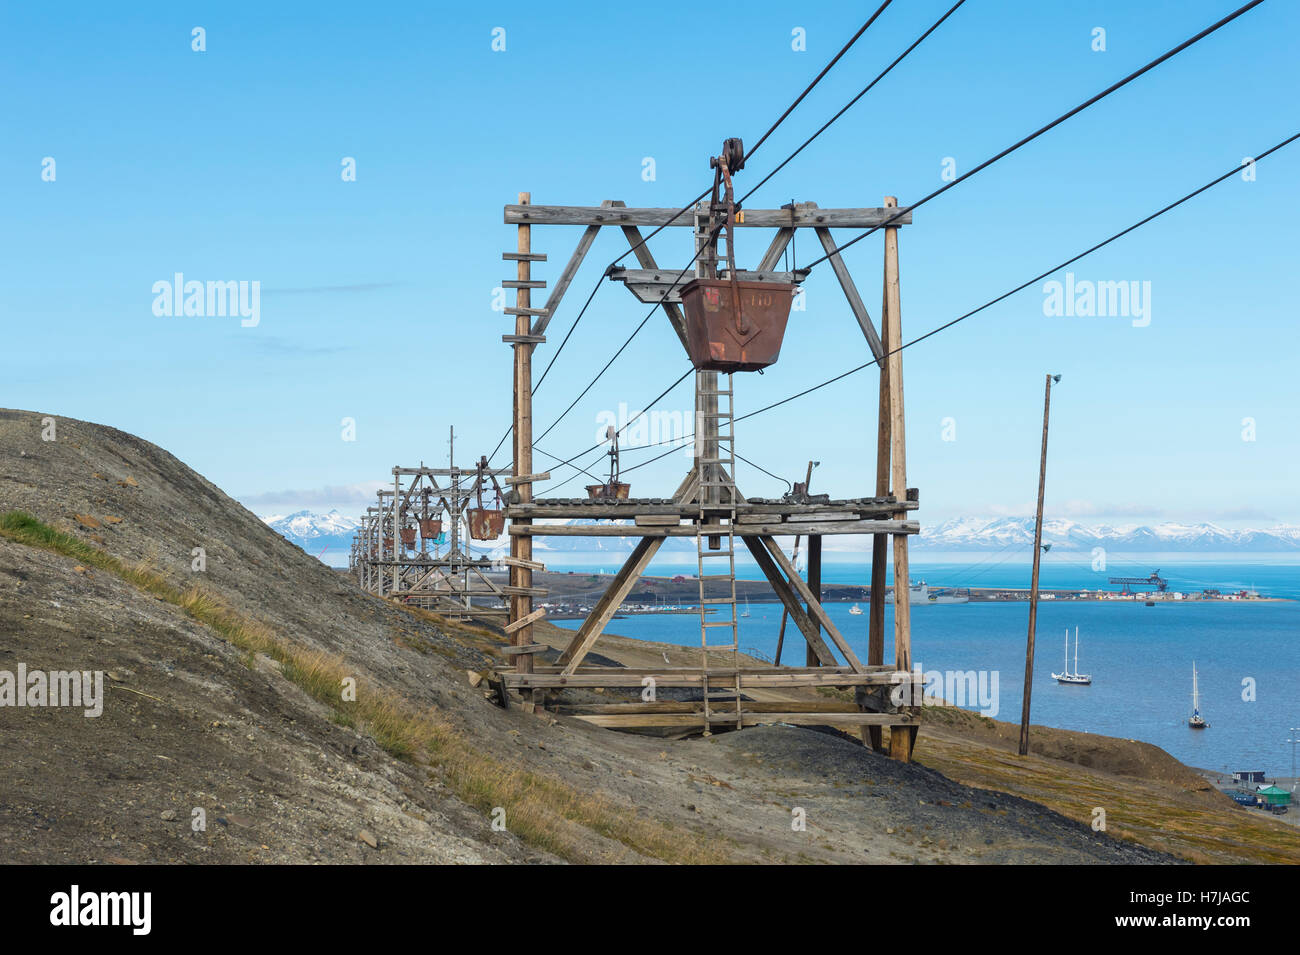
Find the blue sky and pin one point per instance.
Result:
(376, 294)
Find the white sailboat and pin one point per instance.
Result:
(745, 612)
(1080, 679)
(1196, 721)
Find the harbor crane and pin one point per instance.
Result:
(1155, 580)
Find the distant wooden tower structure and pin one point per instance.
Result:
(728, 320)
(399, 550)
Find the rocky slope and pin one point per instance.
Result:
(193, 720)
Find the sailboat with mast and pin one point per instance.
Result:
(1077, 678)
(1196, 721)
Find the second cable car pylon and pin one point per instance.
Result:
(728, 323)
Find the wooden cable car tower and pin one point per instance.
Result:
(732, 321)
(389, 563)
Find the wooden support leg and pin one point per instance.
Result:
(901, 739)
(815, 609)
(609, 602)
(880, 542)
(814, 582)
(786, 593)
(521, 547)
(621, 585)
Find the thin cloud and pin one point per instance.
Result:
(330, 289)
(275, 345)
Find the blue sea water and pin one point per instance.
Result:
(1140, 658)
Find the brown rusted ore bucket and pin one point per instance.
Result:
(713, 340)
(485, 523)
(388, 543)
(408, 536)
(615, 491)
(430, 527)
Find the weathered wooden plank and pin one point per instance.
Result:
(528, 648)
(900, 744)
(520, 562)
(624, 720)
(529, 478)
(750, 706)
(628, 509)
(656, 520)
(514, 591)
(775, 679)
(880, 542)
(524, 256)
(775, 250)
(865, 526)
(650, 285)
(888, 673)
(536, 615)
(798, 518)
(802, 217)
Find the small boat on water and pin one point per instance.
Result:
(918, 595)
(1196, 721)
(1077, 678)
(855, 610)
(745, 612)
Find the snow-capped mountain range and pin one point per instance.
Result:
(333, 531)
(976, 534)
(316, 533)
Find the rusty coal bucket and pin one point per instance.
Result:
(408, 536)
(613, 491)
(430, 527)
(717, 341)
(485, 523)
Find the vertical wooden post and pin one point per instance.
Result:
(901, 739)
(1033, 585)
(794, 560)
(521, 546)
(397, 533)
(814, 585)
(706, 403)
(880, 542)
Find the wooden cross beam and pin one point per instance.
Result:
(802, 216)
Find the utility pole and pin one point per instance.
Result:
(1293, 740)
(1033, 586)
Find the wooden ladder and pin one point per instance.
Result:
(716, 526)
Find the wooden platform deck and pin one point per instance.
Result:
(664, 517)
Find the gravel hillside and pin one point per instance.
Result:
(193, 722)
